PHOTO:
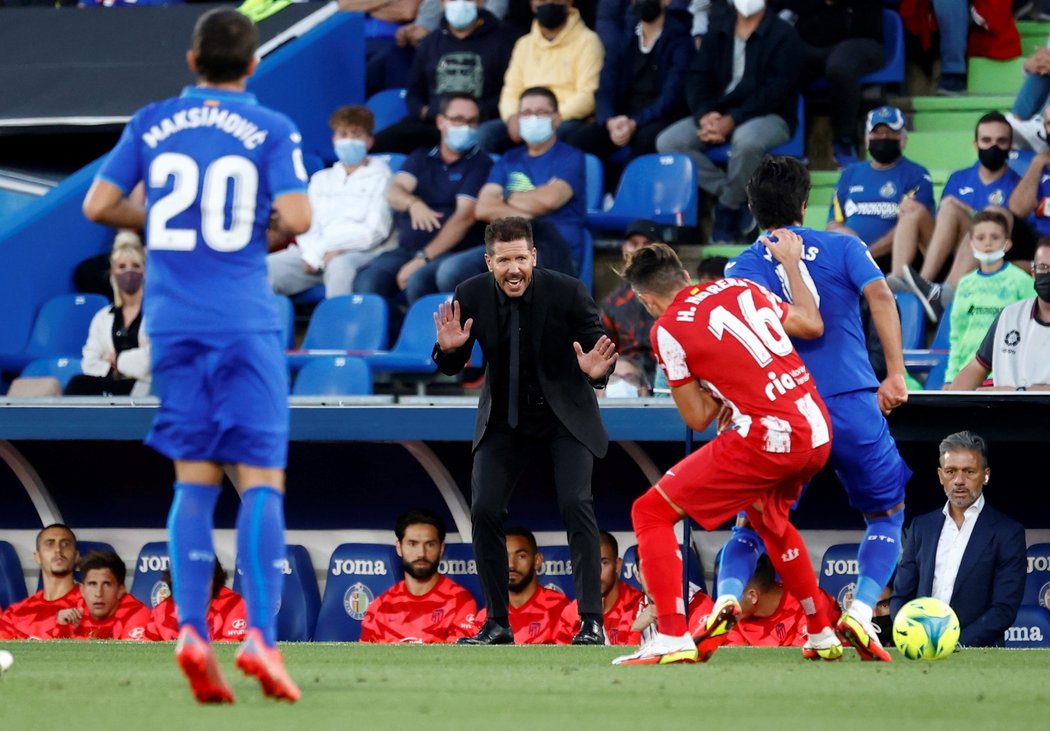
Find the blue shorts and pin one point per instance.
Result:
(224, 398)
(863, 454)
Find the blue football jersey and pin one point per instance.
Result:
(213, 162)
(867, 200)
(967, 186)
(837, 267)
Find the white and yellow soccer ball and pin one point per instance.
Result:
(926, 629)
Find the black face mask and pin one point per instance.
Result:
(885, 628)
(1042, 286)
(993, 158)
(648, 10)
(884, 151)
(552, 16)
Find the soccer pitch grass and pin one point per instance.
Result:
(120, 686)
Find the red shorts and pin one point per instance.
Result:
(730, 474)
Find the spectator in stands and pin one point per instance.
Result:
(619, 601)
(434, 196)
(106, 610)
(425, 606)
(36, 618)
(982, 294)
(1015, 347)
(628, 380)
(615, 17)
(1031, 197)
(469, 55)
(843, 42)
(625, 320)
(116, 358)
(351, 218)
(544, 180)
(641, 90)
(388, 49)
(1026, 115)
(742, 89)
(561, 54)
(871, 196)
(984, 186)
(535, 611)
(953, 23)
(711, 269)
(967, 554)
(227, 613)
(92, 275)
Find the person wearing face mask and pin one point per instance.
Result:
(468, 54)
(628, 380)
(433, 196)
(967, 554)
(116, 356)
(1015, 346)
(870, 196)
(351, 218)
(559, 53)
(983, 293)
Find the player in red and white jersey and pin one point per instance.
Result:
(226, 619)
(37, 616)
(105, 611)
(425, 606)
(726, 352)
(619, 601)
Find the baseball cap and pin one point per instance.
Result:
(889, 116)
(649, 229)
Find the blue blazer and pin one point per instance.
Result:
(991, 578)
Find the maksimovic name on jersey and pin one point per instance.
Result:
(196, 117)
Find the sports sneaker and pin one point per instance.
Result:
(863, 637)
(265, 663)
(723, 617)
(197, 661)
(929, 293)
(661, 650)
(951, 85)
(824, 645)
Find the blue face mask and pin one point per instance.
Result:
(461, 13)
(535, 130)
(461, 137)
(350, 151)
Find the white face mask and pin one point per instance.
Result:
(747, 8)
(535, 129)
(620, 389)
(988, 257)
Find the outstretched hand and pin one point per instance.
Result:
(451, 335)
(597, 362)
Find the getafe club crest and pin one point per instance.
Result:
(356, 600)
(888, 190)
(159, 593)
(845, 595)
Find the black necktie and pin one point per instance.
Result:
(515, 360)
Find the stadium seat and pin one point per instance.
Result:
(933, 360)
(629, 570)
(335, 375)
(12, 580)
(587, 263)
(991, 76)
(346, 325)
(892, 72)
(595, 182)
(148, 585)
(556, 571)
(1037, 582)
(310, 296)
(1030, 629)
(941, 150)
(286, 318)
(659, 187)
(838, 572)
(300, 600)
(62, 369)
(357, 574)
(313, 163)
(458, 564)
(415, 342)
(795, 147)
(913, 320)
(394, 160)
(388, 106)
(60, 329)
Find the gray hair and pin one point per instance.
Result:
(964, 440)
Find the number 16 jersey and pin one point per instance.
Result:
(213, 161)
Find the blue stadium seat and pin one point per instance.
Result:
(556, 571)
(913, 320)
(310, 296)
(933, 360)
(357, 574)
(62, 369)
(587, 265)
(394, 160)
(388, 106)
(60, 329)
(892, 72)
(595, 182)
(300, 598)
(286, 317)
(1030, 629)
(658, 187)
(313, 163)
(415, 342)
(458, 564)
(335, 375)
(352, 322)
(148, 585)
(838, 572)
(1037, 581)
(795, 147)
(12, 580)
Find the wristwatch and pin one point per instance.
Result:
(421, 254)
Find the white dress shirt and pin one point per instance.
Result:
(950, 549)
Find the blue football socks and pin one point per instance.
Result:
(737, 563)
(260, 546)
(877, 557)
(190, 522)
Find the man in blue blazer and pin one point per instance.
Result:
(967, 554)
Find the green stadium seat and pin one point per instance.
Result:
(948, 121)
(988, 76)
(941, 150)
(995, 99)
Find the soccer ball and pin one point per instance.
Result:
(926, 629)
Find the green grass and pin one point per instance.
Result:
(119, 687)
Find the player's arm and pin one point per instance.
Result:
(803, 319)
(294, 213)
(106, 203)
(696, 405)
(540, 201)
(894, 390)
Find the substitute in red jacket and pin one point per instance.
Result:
(37, 616)
(105, 610)
(620, 601)
(227, 614)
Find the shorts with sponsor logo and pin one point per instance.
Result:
(863, 454)
(224, 398)
(730, 474)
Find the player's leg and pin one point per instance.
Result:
(736, 565)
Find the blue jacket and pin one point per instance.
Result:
(990, 584)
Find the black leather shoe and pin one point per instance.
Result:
(490, 634)
(591, 633)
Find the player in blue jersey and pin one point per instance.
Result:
(215, 165)
(839, 270)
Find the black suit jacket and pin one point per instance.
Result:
(990, 584)
(561, 312)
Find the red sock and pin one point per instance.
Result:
(791, 560)
(654, 520)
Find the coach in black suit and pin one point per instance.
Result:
(545, 353)
(968, 554)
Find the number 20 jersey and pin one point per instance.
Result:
(213, 161)
(729, 336)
